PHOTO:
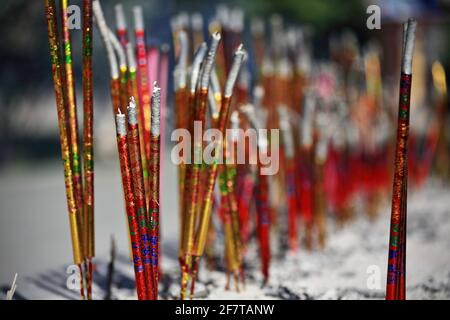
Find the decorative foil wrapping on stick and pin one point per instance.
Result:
(154, 170)
(143, 76)
(182, 118)
(88, 142)
(72, 120)
(134, 93)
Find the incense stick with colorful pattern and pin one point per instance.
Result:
(395, 287)
(88, 142)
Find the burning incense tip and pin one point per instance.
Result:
(198, 58)
(409, 46)
(132, 115)
(239, 56)
(120, 17)
(210, 59)
(181, 68)
(156, 103)
(138, 18)
(121, 127)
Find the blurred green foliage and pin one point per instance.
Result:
(322, 14)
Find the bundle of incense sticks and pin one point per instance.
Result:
(198, 101)
(230, 221)
(141, 190)
(133, 221)
(396, 278)
(79, 187)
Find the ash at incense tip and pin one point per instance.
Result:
(132, 117)
(155, 116)
(120, 124)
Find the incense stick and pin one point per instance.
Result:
(395, 287)
(181, 104)
(123, 71)
(143, 77)
(88, 143)
(121, 25)
(113, 66)
(262, 197)
(69, 90)
(288, 143)
(154, 169)
(134, 93)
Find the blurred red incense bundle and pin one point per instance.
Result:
(262, 195)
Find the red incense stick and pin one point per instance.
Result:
(395, 287)
(88, 143)
(154, 170)
(143, 77)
